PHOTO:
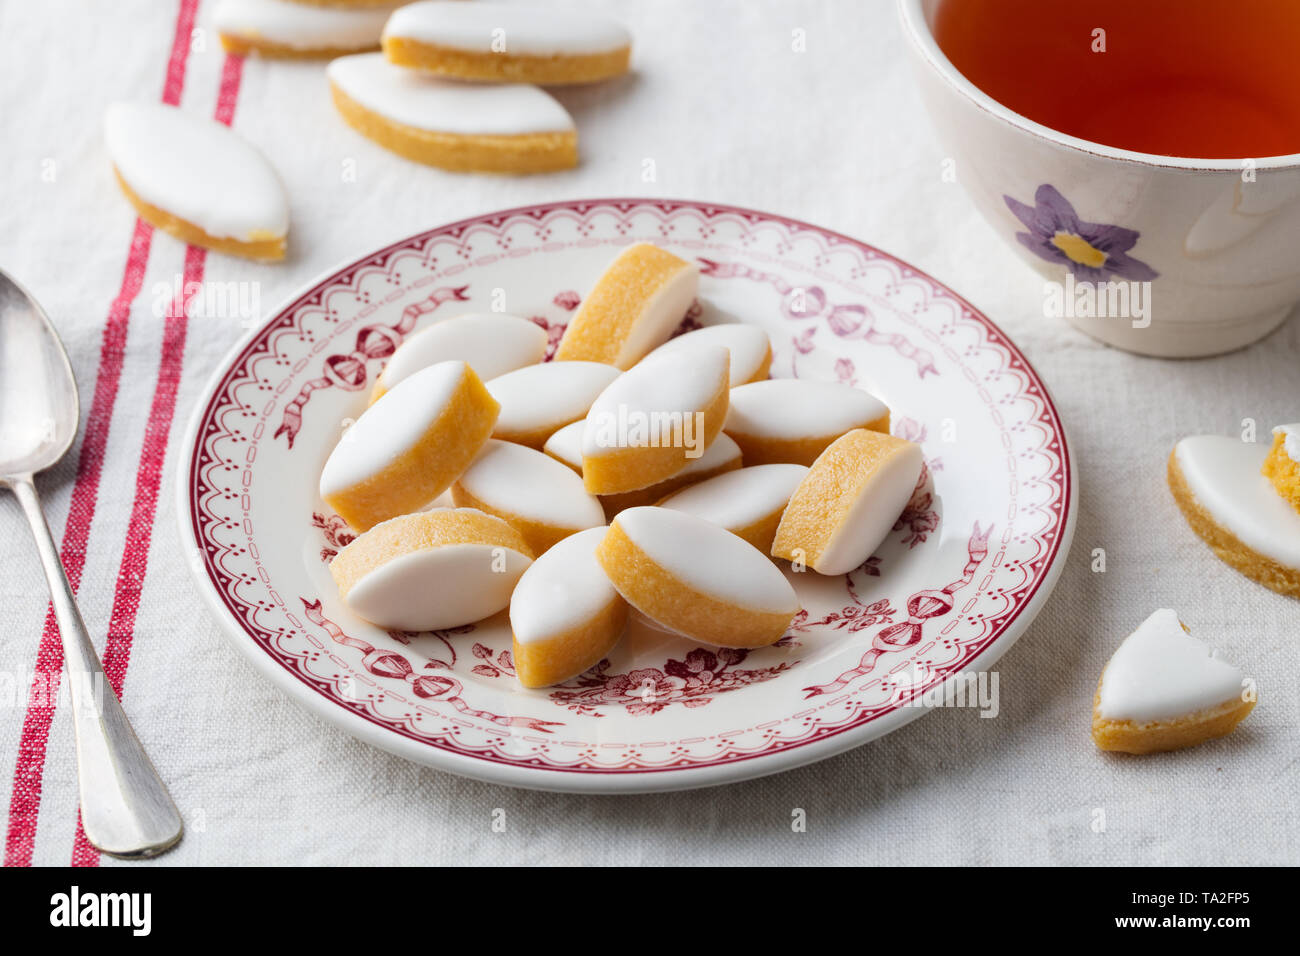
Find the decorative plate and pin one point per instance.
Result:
(968, 565)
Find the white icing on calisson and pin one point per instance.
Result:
(1290, 440)
(438, 587)
(550, 395)
(720, 454)
(491, 343)
(739, 498)
(563, 589)
(390, 427)
(709, 559)
(658, 402)
(794, 408)
(1161, 672)
(509, 29)
(416, 99)
(514, 480)
(1224, 476)
(566, 445)
(301, 26)
(198, 170)
(749, 346)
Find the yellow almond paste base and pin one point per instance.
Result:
(428, 468)
(1283, 472)
(524, 153)
(237, 45)
(1227, 546)
(543, 663)
(764, 372)
(762, 532)
(346, 3)
(828, 493)
(539, 535)
(533, 438)
(619, 470)
(271, 248)
(760, 450)
(1130, 736)
(607, 315)
(554, 70)
(408, 534)
(666, 599)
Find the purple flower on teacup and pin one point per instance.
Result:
(1091, 250)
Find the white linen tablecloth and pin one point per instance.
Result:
(729, 111)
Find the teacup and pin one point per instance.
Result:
(1153, 254)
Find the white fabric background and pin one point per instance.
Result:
(727, 111)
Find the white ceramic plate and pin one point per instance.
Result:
(957, 582)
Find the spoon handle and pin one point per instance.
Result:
(126, 810)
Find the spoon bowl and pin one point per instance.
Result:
(38, 395)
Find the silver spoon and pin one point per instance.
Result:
(126, 810)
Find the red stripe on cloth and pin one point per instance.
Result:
(139, 535)
(232, 73)
(29, 769)
(174, 84)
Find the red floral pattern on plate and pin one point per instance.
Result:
(692, 682)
